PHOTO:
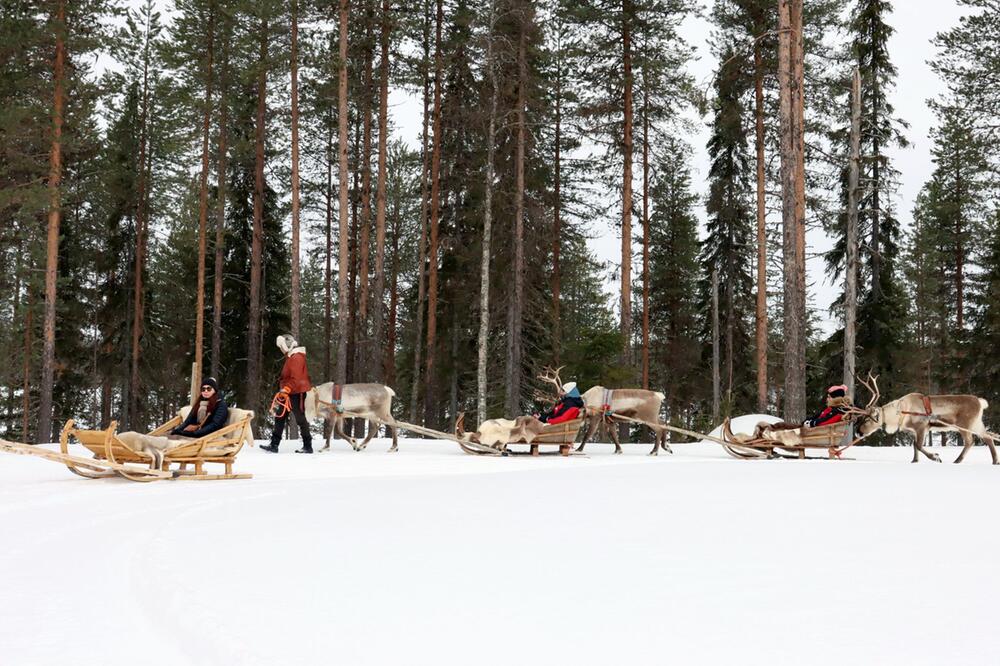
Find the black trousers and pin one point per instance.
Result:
(298, 401)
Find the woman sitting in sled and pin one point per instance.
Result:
(208, 414)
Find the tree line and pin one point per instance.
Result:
(183, 180)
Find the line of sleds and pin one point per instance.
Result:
(187, 459)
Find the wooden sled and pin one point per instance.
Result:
(834, 439)
(562, 435)
(114, 457)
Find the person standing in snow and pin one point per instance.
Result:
(568, 408)
(293, 383)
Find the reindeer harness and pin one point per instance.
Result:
(927, 409)
(337, 403)
(606, 402)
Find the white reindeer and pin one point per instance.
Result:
(372, 402)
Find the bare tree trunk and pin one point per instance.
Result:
(516, 311)
(793, 203)
(141, 224)
(363, 342)
(556, 221)
(342, 117)
(432, 277)
(484, 264)
(851, 277)
(761, 313)
(716, 382)
(52, 241)
(627, 148)
(418, 344)
(257, 245)
(645, 231)
(26, 386)
(296, 271)
(378, 353)
(220, 220)
(199, 327)
(389, 370)
(328, 269)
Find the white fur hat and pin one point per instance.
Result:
(286, 343)
(569, 386)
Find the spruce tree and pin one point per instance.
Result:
(728, 247)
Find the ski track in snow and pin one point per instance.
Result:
(429, 556)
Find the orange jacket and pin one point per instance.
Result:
(295, 374)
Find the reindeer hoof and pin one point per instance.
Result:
(668, 450)
(393, 449)
(618, 452)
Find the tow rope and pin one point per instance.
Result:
(282, 403)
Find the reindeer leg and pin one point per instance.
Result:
(967, 441)
(372, 429)
(592, 427)
(613, 431)
(656, 443)
(395, 444)
(339, 424)
(661, 437)
(984, 435)
(327, 433)
(918, 445)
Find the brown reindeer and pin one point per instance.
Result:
(638, 404)
(918, 413)
(368, 401)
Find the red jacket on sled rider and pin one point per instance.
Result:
(837, 404)
(568, 408)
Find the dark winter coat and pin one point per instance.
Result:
(567, 409)
(215, 420)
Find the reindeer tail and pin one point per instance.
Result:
(392, 394)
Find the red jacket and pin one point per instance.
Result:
(567, 409)
(295, 374)
(828, 416)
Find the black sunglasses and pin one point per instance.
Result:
(206, 388)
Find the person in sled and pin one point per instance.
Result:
(294, 383)
(837, 405)
(208, 414)
(569, 407)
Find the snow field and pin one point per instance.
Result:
(430, 556)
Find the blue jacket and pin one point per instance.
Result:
(215, 421)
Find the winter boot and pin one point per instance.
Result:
(307, 441)
(270, 448)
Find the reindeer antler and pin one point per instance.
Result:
(872, 386)
(550, 376)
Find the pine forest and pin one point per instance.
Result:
(449, 196)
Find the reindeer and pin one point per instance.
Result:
(372, 402)
(917, 413)
(638, 404)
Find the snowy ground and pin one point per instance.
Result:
(431, 556)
